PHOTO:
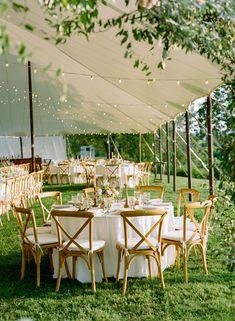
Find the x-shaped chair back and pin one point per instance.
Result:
(26, 219)
(183, 193)
(199, 223)
(89, 169)
(112, 171)
(71, 238)
(55, 197)
(159, 216)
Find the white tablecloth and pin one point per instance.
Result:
(110, 229)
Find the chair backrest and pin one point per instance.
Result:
(88, 191)
(183, 194)
(26, 219)
(89, 169)
(64, 169)
(192, 211)
(143, 238)
(147, 167)
(72, 238)
(112, 171)
(160, 189)
(46, 200)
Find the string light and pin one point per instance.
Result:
(178, 82)
(119, 80)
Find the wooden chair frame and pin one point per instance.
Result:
(65, 252)
(46, 213)
(28, 247)
(160, 189)
(89, 170)
(183, 193)
(200, 229)
(133, 252)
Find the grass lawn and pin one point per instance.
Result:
(205, 298)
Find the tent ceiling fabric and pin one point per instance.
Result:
(104, 92)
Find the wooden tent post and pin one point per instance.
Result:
(174, 154)
(168, 152)
(189, 162)
(21, 148)
(140, 148)
(31, 117)
(160, 152)
(108, 141)
(210, 145)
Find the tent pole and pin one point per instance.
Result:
(140, 148)
(174, 154)
(160, 152)
(167, 152)
(31, 117)
(108, 141)
(154, 155)
(210, 145)
(189, 162)
(21, 148)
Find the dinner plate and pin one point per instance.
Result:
(59, 206)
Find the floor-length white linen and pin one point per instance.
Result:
(110, 229)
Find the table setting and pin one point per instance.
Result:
(108, 226)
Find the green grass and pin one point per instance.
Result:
(205, 298)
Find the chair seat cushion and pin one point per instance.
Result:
(179, 223)
(44, 238)
(178, 235)
(135, 240)
(97, 245)
(40, 230)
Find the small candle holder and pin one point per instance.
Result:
(126, 205)
(95, 197)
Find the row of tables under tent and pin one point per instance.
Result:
(73, 172)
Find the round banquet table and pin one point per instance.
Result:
(109, 227)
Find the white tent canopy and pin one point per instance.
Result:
(105, 93)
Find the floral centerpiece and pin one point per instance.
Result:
(106, 191)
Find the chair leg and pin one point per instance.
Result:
(185, 266)
(160, 273)
(50, 259)
(203, 253)
(38, 263)
(119, 264)
(74, 267)
(149, 266)
(101, 258)
(92, 273)
(61, 263)
(177, 259)
(23, 264)
(125, 275)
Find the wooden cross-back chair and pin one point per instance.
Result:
(142, 245)
(184, 240)
(154, 188)
(75, 247)
(89, 191)
(64, 173)
(34, 240)
(89, 169)
(141, 171)
(183, 196)
(112, 173)
(54, 197)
